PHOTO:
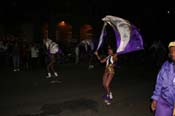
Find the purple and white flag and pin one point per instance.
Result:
(128, 39)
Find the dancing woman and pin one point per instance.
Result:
(53, 49)
(108, 74)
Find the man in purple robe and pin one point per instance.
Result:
(164, 94)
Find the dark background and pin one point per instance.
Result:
(153, 20)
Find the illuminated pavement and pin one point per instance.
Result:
(28, 93)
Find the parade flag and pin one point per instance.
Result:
(128, 38)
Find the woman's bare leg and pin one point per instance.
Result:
(53, 65)
(105, 76)
(50, 67)
(108, 82)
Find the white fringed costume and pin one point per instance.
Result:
(52, 46)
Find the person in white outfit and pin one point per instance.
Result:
(53, 49)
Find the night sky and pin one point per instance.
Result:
(156, 22)
(85, 8)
